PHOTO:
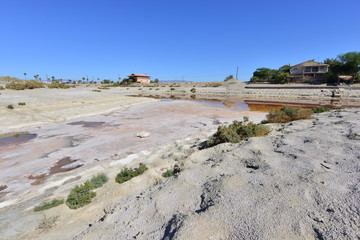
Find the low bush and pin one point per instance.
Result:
(127, 174)
(2, 88)
(193, 90)
(15, 86)
(168, 173)
(58, 85)
(320, 109)
(22, 104)
(48, 205)
(193, 96)
(172, 89)
(99, 180)
(47, 223)
(287, 114)
(10, 106)
(31, 84)
(80, 195)
(236, 132)
(104, 88)
(96, 90)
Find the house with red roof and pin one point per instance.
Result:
(139, 78)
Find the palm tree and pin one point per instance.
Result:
(36, 76)
(25, 75)
(53, 78)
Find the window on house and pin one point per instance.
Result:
(322, 69)
(315, 69)
(307, 69)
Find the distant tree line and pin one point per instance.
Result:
(281, 75)
(344, 64)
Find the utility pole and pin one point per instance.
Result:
(237, 70)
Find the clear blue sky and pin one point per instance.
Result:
(167, 39)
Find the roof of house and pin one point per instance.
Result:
(138, 75)
(310, 63)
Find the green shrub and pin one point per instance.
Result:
(236, 132)
(96, 90)
(193, 96)
(320, 109)
(10, 106)
(99, 180)
(22, 104)
(172, 89)
(168, 173)
(287, 114)
(2, 88)
(104, 88)
(31, 84)
(25, 85)
(80, 195)
(15, 86)
(48, 205)
(193, 90)
(127, 174)
(58, 85)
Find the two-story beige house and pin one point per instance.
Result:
(309, 72)
(140, 78)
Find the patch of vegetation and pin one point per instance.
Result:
(58, 85)
(22, 103)
(320, 109)
(2, 88)
(25, 85)
(99, 180)
(172, 89)
(127, 174)
(48, 205)
(193, 96)
(236, 132)
(288, 114)
(10, 106)
(193, 90)
(140, 89)
(96, 90)
(168, 173)
(80, 195)
(157, 89)
(45, 224)
(104, 88)
(228, 78)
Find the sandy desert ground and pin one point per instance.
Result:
(301, 182)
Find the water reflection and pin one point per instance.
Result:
(16, 138)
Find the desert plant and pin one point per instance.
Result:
(21, 103)
(58, 85)
(25, 85)
(99, 180)
(287, 114)
(193, 96)
(320, 109)
(45, 224)
(193, 90)
(48, 205)
(96, 90)
(127, 174)
(168, 173)
(236, 132)
(80, 195)
(172, 89)
(10, 106)
(2, 88)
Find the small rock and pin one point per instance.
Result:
(143, 134)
